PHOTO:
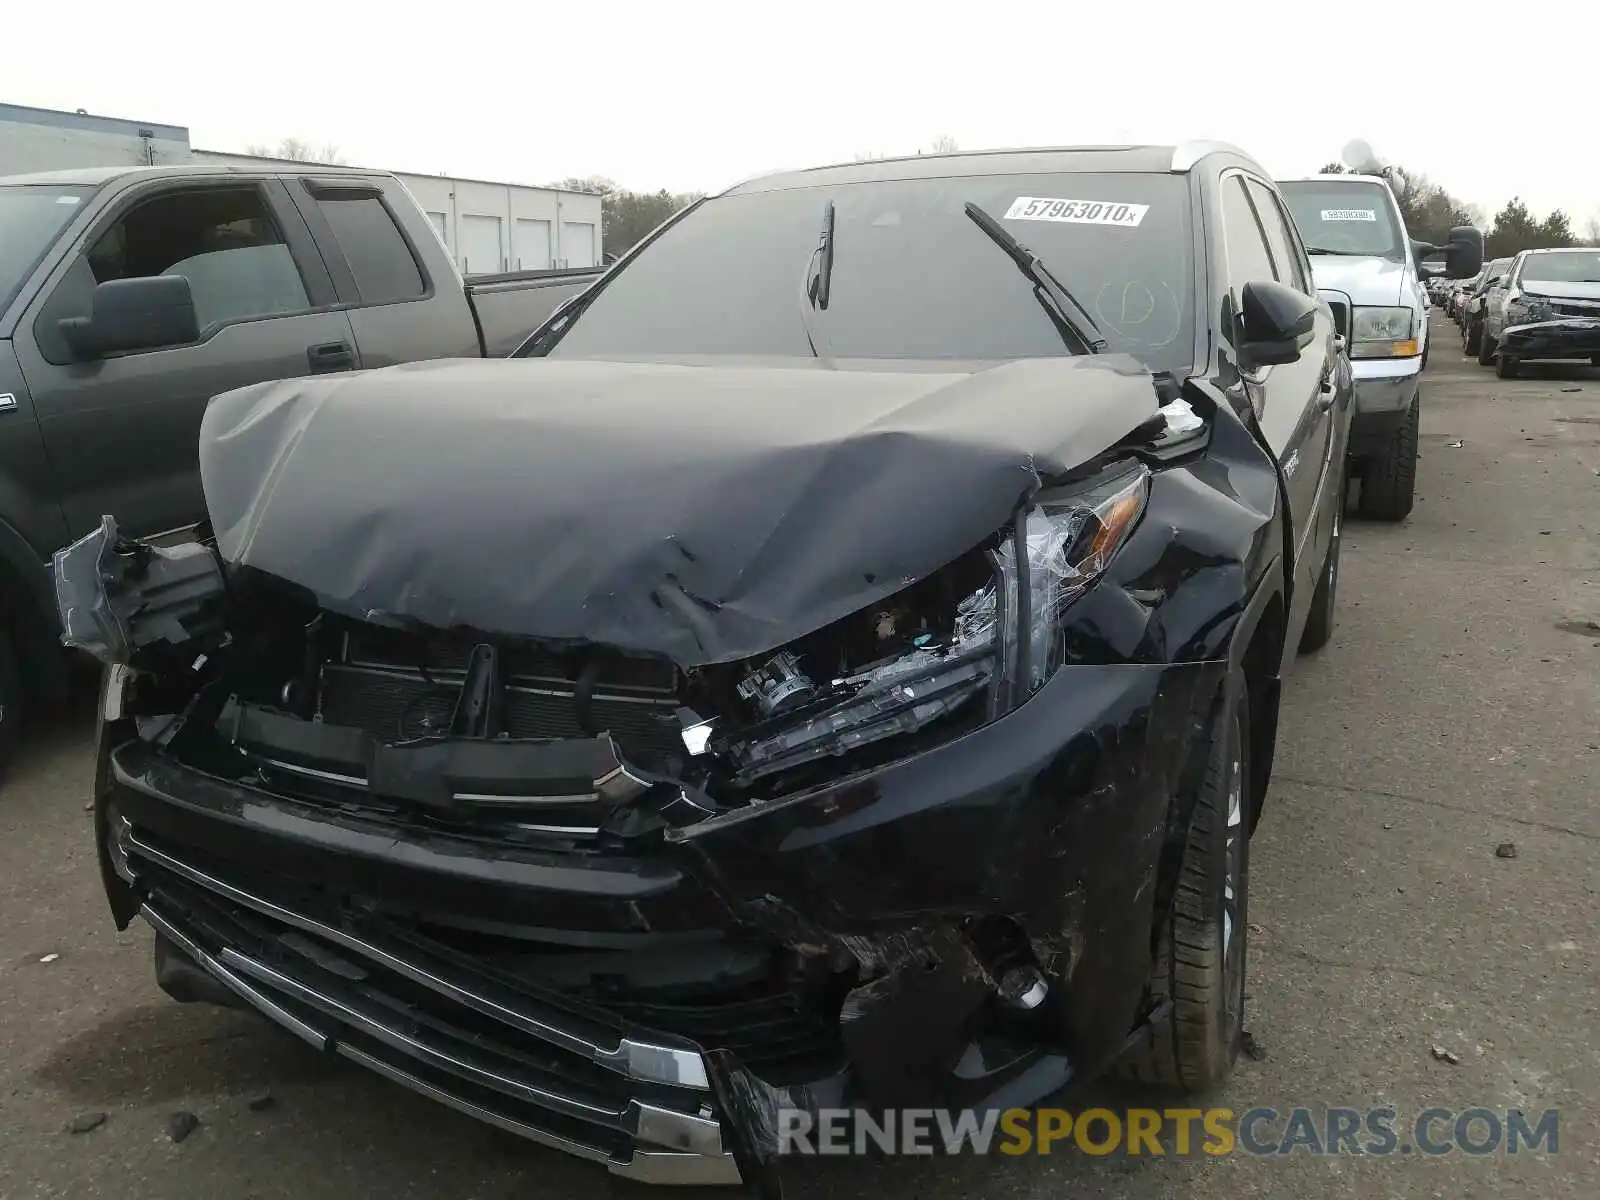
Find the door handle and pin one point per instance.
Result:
(330, 356)
(1327, 393)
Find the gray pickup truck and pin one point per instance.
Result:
(130, 297)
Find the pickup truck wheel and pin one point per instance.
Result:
(1486, 347)
(10, 702)
(1319, 625)
(1471, 335)
(1199, 963)
(1505, 366)
(1389, 480)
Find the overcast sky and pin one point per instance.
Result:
(694, 95)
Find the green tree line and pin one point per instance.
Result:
(1431, 212)
(627, 216)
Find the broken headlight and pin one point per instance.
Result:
(1528, 308)
(1005, 639)
(1068, 540)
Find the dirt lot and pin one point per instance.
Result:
(1455, 710)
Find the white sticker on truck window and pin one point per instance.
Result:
(1349, 214)
(1076, 212)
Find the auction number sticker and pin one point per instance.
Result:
(1076, 212)
(1349, 214)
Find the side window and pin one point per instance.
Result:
(1248, 258)
(223, 240)
(1280, 238)
(380, 259)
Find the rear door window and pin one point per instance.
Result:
(378, 254)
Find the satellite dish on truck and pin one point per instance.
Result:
(1362, 159)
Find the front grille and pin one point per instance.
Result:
(396, 705)
(398, 687)
(1341, 317)
(1570, 309)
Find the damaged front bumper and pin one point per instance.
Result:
(878, 908)
(1570, 337)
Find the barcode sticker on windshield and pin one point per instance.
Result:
(1349, 214)
(1076, 212)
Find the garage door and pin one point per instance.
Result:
(577, 244)
(481, 249)
(532, 244)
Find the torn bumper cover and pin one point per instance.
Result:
(1567, 337)
(426, 957)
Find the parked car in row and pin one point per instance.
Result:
(1474, 302)
(1356, 235)
(130, 296)
(1460, 289)
(1544, 305)
(835, 662)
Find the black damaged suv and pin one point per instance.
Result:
(836, 664)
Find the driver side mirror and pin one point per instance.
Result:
(1275, 324)
(144, 313)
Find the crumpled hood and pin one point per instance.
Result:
(707, 513)
(1367, 281)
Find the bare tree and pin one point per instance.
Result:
(298, 150)
(1591, 231)
(943, 144)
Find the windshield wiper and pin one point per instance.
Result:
(1082, 336)
(821, 280)
(817, 283)
(1347, 253)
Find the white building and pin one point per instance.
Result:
(488, 227)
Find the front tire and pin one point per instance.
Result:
(1505, 366)
(10, 702)
(1389, 480)
(1486, 347)
(1200, 951)
(1471, 338)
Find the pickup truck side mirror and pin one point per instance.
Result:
(1275, 324)
(144, 313)
(1463, 254)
